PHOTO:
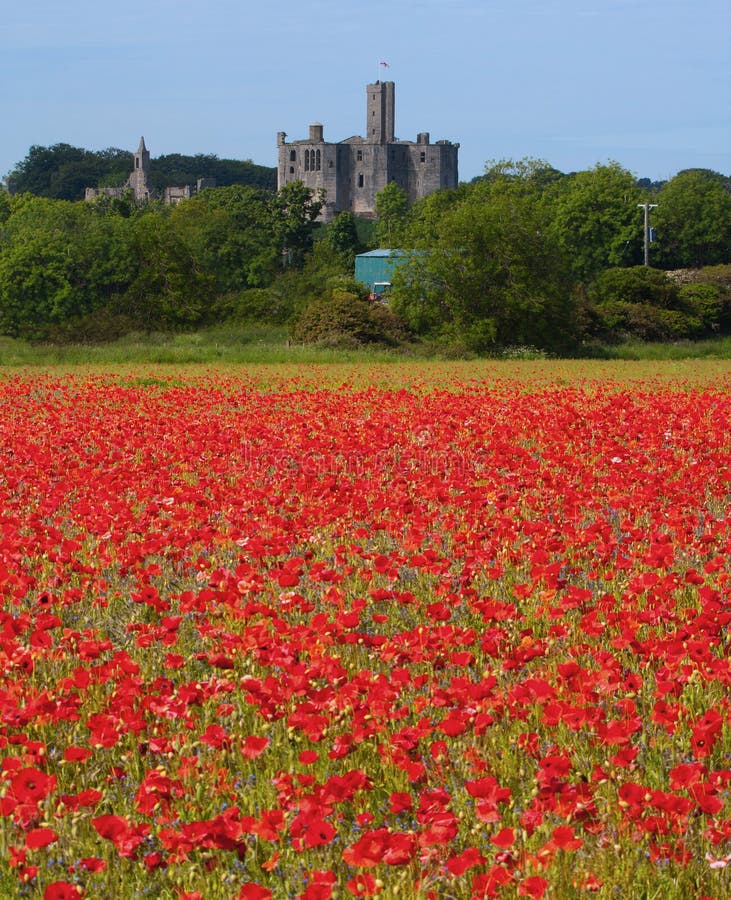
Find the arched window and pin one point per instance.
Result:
(307, 160)
(292, 155)
(317, 158)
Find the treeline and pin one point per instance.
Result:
(529, 256)
(63, 172)
(97, 270)
(524, 256)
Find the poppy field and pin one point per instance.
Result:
(439, 639)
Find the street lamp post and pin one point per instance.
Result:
(647, 207)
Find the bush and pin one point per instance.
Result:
(620, 320)
(644, 303)
(342, 318)
(703, 301)
(638, 284)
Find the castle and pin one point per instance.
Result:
(354, 170)
(139, 183)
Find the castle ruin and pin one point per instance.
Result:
(353, 171)
(139, 184)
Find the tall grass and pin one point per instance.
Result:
(222, 344)
(261, 344)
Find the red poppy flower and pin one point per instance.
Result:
(62, 890)
(254, 746)
(92, 864)
(458, 865)
(534, 887)
(253, 891)
(40, 837)
(31, 785)
(504, 838)
(111, 827)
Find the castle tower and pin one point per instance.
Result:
(380, 112)
(352, 172)
(139, 180)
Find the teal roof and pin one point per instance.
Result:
(382, 253)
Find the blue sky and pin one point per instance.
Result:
(642, 82)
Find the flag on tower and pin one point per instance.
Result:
(385, 64)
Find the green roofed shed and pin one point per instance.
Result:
(376, 268)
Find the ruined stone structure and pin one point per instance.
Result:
(139, 183)
(354, 170)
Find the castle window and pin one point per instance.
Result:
(307, 160)
(329, 164)
(291, 170)
(360, 156)
(317, 160)
(360, 180)
(423, 156)
(292, 155)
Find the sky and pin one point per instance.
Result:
(573, 82)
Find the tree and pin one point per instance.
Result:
(392, 209)
(595, 220)
(60, 261)
(492, 275)
(297, 208)
(341, 236)
(178, 169)
(62, 172)
(234, 233)
(172, 288)
(693, 220)
(5, 206)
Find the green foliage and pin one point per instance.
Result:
(234, 233)
(536, 174)
(595, 220)
(496, 264)
(704, 302)
(645, 303)
(5, 207)
(60, 261)
(171, 288)
(62, 171)
(341, 236)
(322, 270)
(425, 214)
(342, 317)
(297, 208)
(253, 305)
(693, 220)
(177, 169)
(638, 284)
(621, 320)
(392, 210)
(489, 273)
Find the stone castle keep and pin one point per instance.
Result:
(354, 170)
